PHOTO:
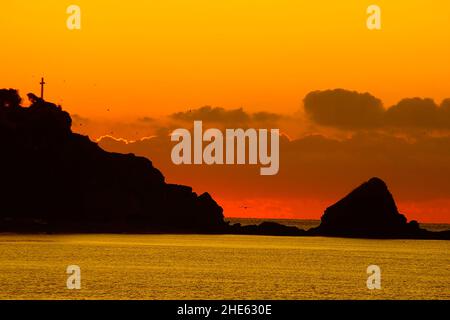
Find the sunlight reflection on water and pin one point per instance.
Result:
(220, 267)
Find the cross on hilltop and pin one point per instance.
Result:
(42, 83)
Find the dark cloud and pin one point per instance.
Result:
(233, 118)
(351, 110)
(445, 105)
(414, 112)
(336, 112)
(344, 109)
(216, 114)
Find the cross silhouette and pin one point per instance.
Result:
(42, 88)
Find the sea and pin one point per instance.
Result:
(163, 267)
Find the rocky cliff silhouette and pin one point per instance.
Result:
(53, 180)
(57, 181)
(370, 211)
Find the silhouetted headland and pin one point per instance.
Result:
(54, 180)
(57, 181)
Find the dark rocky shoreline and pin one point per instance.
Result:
(56, 181)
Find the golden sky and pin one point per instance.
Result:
(140, 58)
(134, 59)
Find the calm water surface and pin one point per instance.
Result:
(220, 267)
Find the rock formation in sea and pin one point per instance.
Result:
(268, 229)
(370, 211)
(54, 180)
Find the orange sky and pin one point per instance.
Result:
(135, 59)
(161, 56)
